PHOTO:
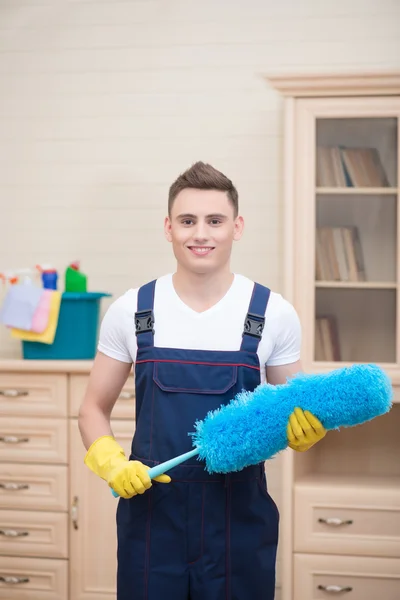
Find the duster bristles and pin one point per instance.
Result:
(252, 428)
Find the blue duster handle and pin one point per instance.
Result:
(167, 465)
(170, 464)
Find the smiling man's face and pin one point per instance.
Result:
(202, 228)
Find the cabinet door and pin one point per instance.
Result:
(93, 542)
(347, 208)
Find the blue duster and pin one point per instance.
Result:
(252, 428)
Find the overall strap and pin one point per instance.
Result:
(144, 316)
(255, 318)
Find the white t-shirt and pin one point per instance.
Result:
(218, 328)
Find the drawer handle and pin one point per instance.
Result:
(11, 393)
(335, 589)
(75, 513)
(127, 395)
(13, 533)
(335, 522)
(11, 486)
(14, 580)
(13, 439)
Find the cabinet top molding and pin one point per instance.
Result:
(45, 366)
(299, 85)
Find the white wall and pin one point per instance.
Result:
(104, 103)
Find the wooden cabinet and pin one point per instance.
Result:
(33, 486)
(340, 526)
(57, 519)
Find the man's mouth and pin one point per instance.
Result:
(201, 250)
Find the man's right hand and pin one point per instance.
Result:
(106, 458)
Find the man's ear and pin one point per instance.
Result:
(238, 228)
(167, 229)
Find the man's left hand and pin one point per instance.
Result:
(304, 430)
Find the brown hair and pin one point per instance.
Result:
(202, 176)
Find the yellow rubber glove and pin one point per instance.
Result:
(304, 430)
(106, 458)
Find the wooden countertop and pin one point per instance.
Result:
(49, 366)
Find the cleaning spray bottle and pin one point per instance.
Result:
(75, 280)
(49, 276)
(9, 277)
(18, 276)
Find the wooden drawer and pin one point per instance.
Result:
(33, 579)
(124, 408)
(31, 533)
(33, 394)
(360, 519)
(33, 487)
(33, 440)
(347, 577)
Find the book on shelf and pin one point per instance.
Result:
(338, 254)
(327, 346)
(338, 166)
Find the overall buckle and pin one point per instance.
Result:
(254, 325)
(144, 321)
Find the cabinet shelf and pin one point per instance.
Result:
(322, 366)
(373, 285)
(362, 191)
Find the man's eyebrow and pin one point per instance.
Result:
(186, 216)
(211, 216)
(218, 215)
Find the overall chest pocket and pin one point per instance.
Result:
(197, 378)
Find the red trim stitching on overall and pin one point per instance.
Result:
(151, 422)
(190, 362)
(228, 542)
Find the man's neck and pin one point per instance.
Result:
(201, 291)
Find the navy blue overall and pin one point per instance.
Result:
(201, 536)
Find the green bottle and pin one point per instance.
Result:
(75, 280)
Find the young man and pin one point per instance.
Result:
(196, 338)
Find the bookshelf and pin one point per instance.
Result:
(340, 514)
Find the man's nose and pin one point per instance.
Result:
(200, 233)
